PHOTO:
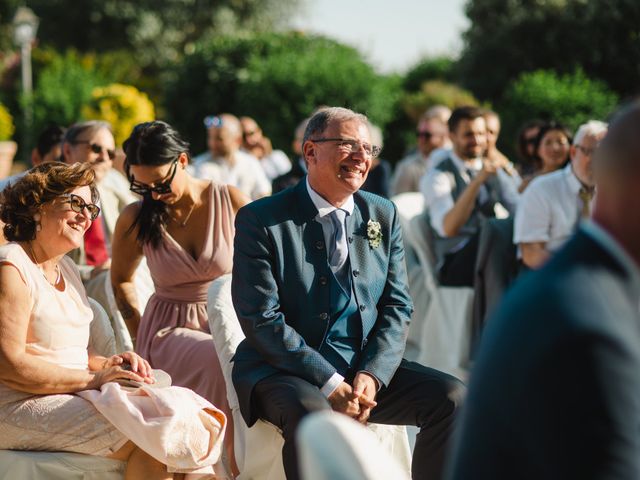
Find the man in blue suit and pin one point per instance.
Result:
(320, 289)
(555, 390)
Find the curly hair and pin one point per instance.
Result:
(20, 201)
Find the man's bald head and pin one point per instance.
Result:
(617, 173)
(619, 152)
(224, 134)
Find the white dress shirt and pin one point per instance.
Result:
(246, 173)
(324, 209)
(275, 164)
(549, 209)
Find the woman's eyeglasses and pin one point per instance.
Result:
(161, 188)
(97, 149)
(77, 204)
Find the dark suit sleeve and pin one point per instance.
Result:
(593, 408)
(386, 342)
(255, 297)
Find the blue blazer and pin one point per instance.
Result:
(555, 388)
(281, 290)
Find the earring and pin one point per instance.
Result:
(36, 218)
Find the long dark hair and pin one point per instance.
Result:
(152, 144)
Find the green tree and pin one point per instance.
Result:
(61, 90)
(430, 68)
(508, 37)
(284, 88)
(277, 78)
(571, 99)
(157, 31)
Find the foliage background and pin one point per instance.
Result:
(567, 59)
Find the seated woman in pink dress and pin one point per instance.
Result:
(55, 394)
(184, 228)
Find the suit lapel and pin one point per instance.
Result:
(313, 246)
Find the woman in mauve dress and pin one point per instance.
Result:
(184, 228)
(55, 394)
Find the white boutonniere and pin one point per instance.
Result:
(374, 233)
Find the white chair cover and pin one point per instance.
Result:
(334, 447)
(102, 339)
(440, 330)
(258, 449)
(58, 466)
(100, 289)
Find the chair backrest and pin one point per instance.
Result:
(496, 267)
(334, 447)
(421, 238)
(102, 339)
(409, 204)
(225, 329)
(144, 289)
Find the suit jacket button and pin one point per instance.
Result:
(356, 273)
(350, 239)
(324, 316)
(323, 280)
(362, 307)
(319, 245)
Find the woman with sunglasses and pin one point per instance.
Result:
(184, 228)
(55, 393)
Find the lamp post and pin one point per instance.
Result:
(25, 26)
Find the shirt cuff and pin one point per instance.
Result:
(333, 383)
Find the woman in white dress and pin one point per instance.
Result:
(54, 393)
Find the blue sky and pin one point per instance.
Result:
(392, 34)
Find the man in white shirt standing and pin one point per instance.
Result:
(225, 162)
(462, 191)
(553, 204)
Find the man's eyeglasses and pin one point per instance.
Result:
(352, 146)
(77, 204)
(161, 188)
(587, 151)
(97, 149)
(426, 135)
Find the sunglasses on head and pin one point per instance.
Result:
(77, 204)
(97, 149)
(161, 188)
(213, 121)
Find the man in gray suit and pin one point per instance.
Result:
(320, 289)
(555, 391)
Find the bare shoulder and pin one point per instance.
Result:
(238, 198)
(126, 219)
(130, 212)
